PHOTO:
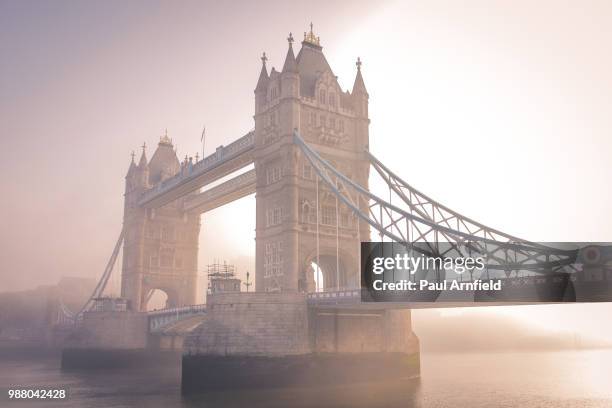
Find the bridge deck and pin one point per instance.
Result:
(182, 326)
(231, 190)
(224, 161)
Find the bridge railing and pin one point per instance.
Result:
(333, 297)
(179, 310)
(160, 318)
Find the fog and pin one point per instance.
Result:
(477, 93)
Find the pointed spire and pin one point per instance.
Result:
(132, 164)
(143, 156)
(290, 63)
(262, 83)
(359, 85)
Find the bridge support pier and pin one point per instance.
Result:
(361, 331)
(114, 340)
(268, 340)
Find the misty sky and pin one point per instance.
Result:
(500, 110)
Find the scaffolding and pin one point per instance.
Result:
(222, 278)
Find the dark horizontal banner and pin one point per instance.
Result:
(486, 271)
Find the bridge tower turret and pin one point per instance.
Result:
(360, 99)
(261, 89)
(160, 245)
(294, 229)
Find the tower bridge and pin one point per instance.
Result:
(311, 169)
(163, 200)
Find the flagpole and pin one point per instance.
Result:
(203, 140)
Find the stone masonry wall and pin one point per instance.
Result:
(111, 330)
(360, 331)
(399, 336)
(255, 324)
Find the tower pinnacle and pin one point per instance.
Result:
(311, 38)
(165, 139)
(290, 62)
(359, 85)
(132, 167)
(143, 157)
(262, 82)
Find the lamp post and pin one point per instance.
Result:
(247, 283)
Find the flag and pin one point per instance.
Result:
(203, 140)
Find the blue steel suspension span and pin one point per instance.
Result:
(415, 220)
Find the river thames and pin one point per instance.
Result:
(476, 380)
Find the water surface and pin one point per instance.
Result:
(561, 379)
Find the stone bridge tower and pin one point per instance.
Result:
(306, 96)
(160, 245)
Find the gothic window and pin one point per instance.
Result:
(273, 216)
(305, 211)
(322, 120)
(332, 123)
(309, 215)
(273, 174)
(272, 119)
(167, 233)
(152, 232)
(307, 171)
(313, 119)
(166, 258)
(328, 215)
(154, 260)
(273, 259)
(332, 100)
(345, 220)
(322, 98)
(341, 125)
(274, 93)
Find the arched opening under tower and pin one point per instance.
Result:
(328, 273)
(157, 299)
(227, 234)
(317, 275)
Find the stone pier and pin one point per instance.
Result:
(276, 340)
(112, 339)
